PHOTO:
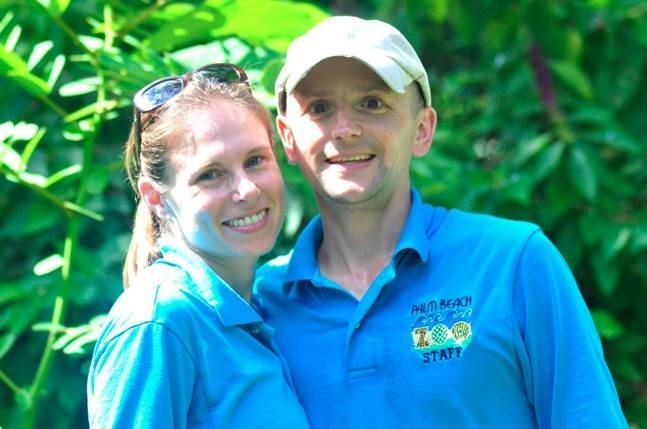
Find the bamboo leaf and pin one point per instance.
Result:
(38, 53)
(30, 148)
(82, 210)
(6, 343)
(62, 174)
(57, 68)
(48, 265)
(91, 109)
(6, 19)
(81, 86)
(34, 179)
(56, 7)
(13, 38)
(9, 157)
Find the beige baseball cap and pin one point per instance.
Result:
(375, 43)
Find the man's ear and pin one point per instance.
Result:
(425, 133)
(287, 138)
(151, 194)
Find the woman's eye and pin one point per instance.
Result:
(372, 103)
(253, 161)
(319, 107)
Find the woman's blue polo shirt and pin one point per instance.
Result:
(475, 323)
(181, 349)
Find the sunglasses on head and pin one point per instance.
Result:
(156, 94)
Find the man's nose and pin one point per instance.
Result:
(345, 125)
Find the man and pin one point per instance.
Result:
(393, 313)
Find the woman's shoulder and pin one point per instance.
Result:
(157, 297)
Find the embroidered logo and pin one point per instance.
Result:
(442, 329)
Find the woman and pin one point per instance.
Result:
(182, 346)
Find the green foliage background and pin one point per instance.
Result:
(542, 116)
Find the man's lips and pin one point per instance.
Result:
(349, 158)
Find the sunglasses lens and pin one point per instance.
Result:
(159, 94)
(221, 73)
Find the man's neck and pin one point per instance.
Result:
(358, 243)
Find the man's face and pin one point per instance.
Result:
(351, 135)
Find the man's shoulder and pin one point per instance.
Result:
(488, 227)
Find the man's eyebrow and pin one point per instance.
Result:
(323, 92)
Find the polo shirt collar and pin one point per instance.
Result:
(303, 263)
(414, 235)
(204, 283)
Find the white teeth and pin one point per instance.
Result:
(352, 158)
(247, 220)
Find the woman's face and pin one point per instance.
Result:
(225, 191)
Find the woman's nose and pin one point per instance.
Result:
(245, 189)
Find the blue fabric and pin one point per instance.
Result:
(182, 350)
(476, 323)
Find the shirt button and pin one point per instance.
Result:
(357, 326)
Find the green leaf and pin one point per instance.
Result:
(48, 327)
(14, 37)
(606, 273)
(30, 83)
(546, 161)
(615, 240)
(608, 326)
(91, 109)
(582, 172)
(83, 211)
(6, 343)
(437, 9)
(270, 73)
(30, 148)
(40, 50)
(70, 171)
(56, 7)
(98, 180)
(48, 265)
(83, 343)
(9, 157)
(57, 68)
(244, 19)
(81, 86)
(529, 148)
(6, 20)
(571, 76)
(34, 179)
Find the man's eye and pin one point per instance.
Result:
(254, 161)
(372, 103)
(208, 175)
(319, 107)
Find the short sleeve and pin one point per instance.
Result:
(142, 378)
(567, 378)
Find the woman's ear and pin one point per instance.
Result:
(287, 138)
(151, 194)
(425, 132)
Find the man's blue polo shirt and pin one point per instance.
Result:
(182, 349)
(476, 323)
